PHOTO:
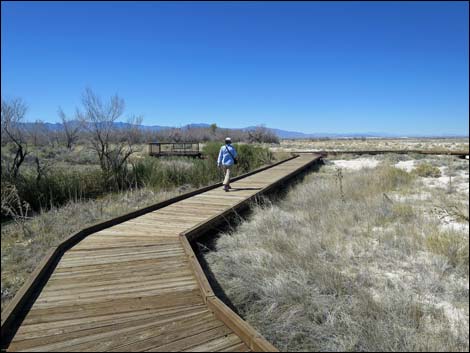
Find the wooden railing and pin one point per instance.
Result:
(158, 149)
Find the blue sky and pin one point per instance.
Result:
(398, 67)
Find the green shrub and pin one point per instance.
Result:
(211, 150)
(403, 212)
(60, 186)
(251, 157)
(391, 178)
(427, 170)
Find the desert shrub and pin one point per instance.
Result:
(451, 245)
(211, 150)
(417, 156)
(83, 156)
(392, 177)
(392, 158)
(427, 170)
(168, 173)
(279, 156)
(403, 212)
(460, 164)
(383, 179)
(251, 157)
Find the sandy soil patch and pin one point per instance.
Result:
(406, 165)
(459, 182)
(356, 164)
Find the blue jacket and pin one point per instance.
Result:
(224, 157)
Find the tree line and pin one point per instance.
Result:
(30, 152)
(95, 124)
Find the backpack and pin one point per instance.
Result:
(235, 160)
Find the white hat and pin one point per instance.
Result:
(228, 139)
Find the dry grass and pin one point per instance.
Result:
(370, 273)
(427, 170)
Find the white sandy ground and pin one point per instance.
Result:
(401, 276)
(460, 184)
(406, 165)
(356, 164)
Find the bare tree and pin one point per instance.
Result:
(71, 128)
(99, 119)
(13, 113)
(37, 133)
(262, 134)
(175, 135)
(134, 132)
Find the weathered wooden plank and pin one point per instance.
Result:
(113, 270)
(49, 299)
(117, 278)
(241, 347)
(61, 327)
(62, 342)
(172, 339)
(75, 289)
(189, 341)
(137, 257)
(147, 337)
(87, 310)
(215, 345)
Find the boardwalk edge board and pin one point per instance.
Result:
(17, 309)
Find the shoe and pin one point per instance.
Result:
(226, 188)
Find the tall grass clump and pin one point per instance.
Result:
(59, 186)
(170, 173)
(367, 273)
(427, 170)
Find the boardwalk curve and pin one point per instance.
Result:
(134, 283)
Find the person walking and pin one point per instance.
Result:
(227, 158)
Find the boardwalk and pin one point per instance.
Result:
(136, 286)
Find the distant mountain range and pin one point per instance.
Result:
(280, 133)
